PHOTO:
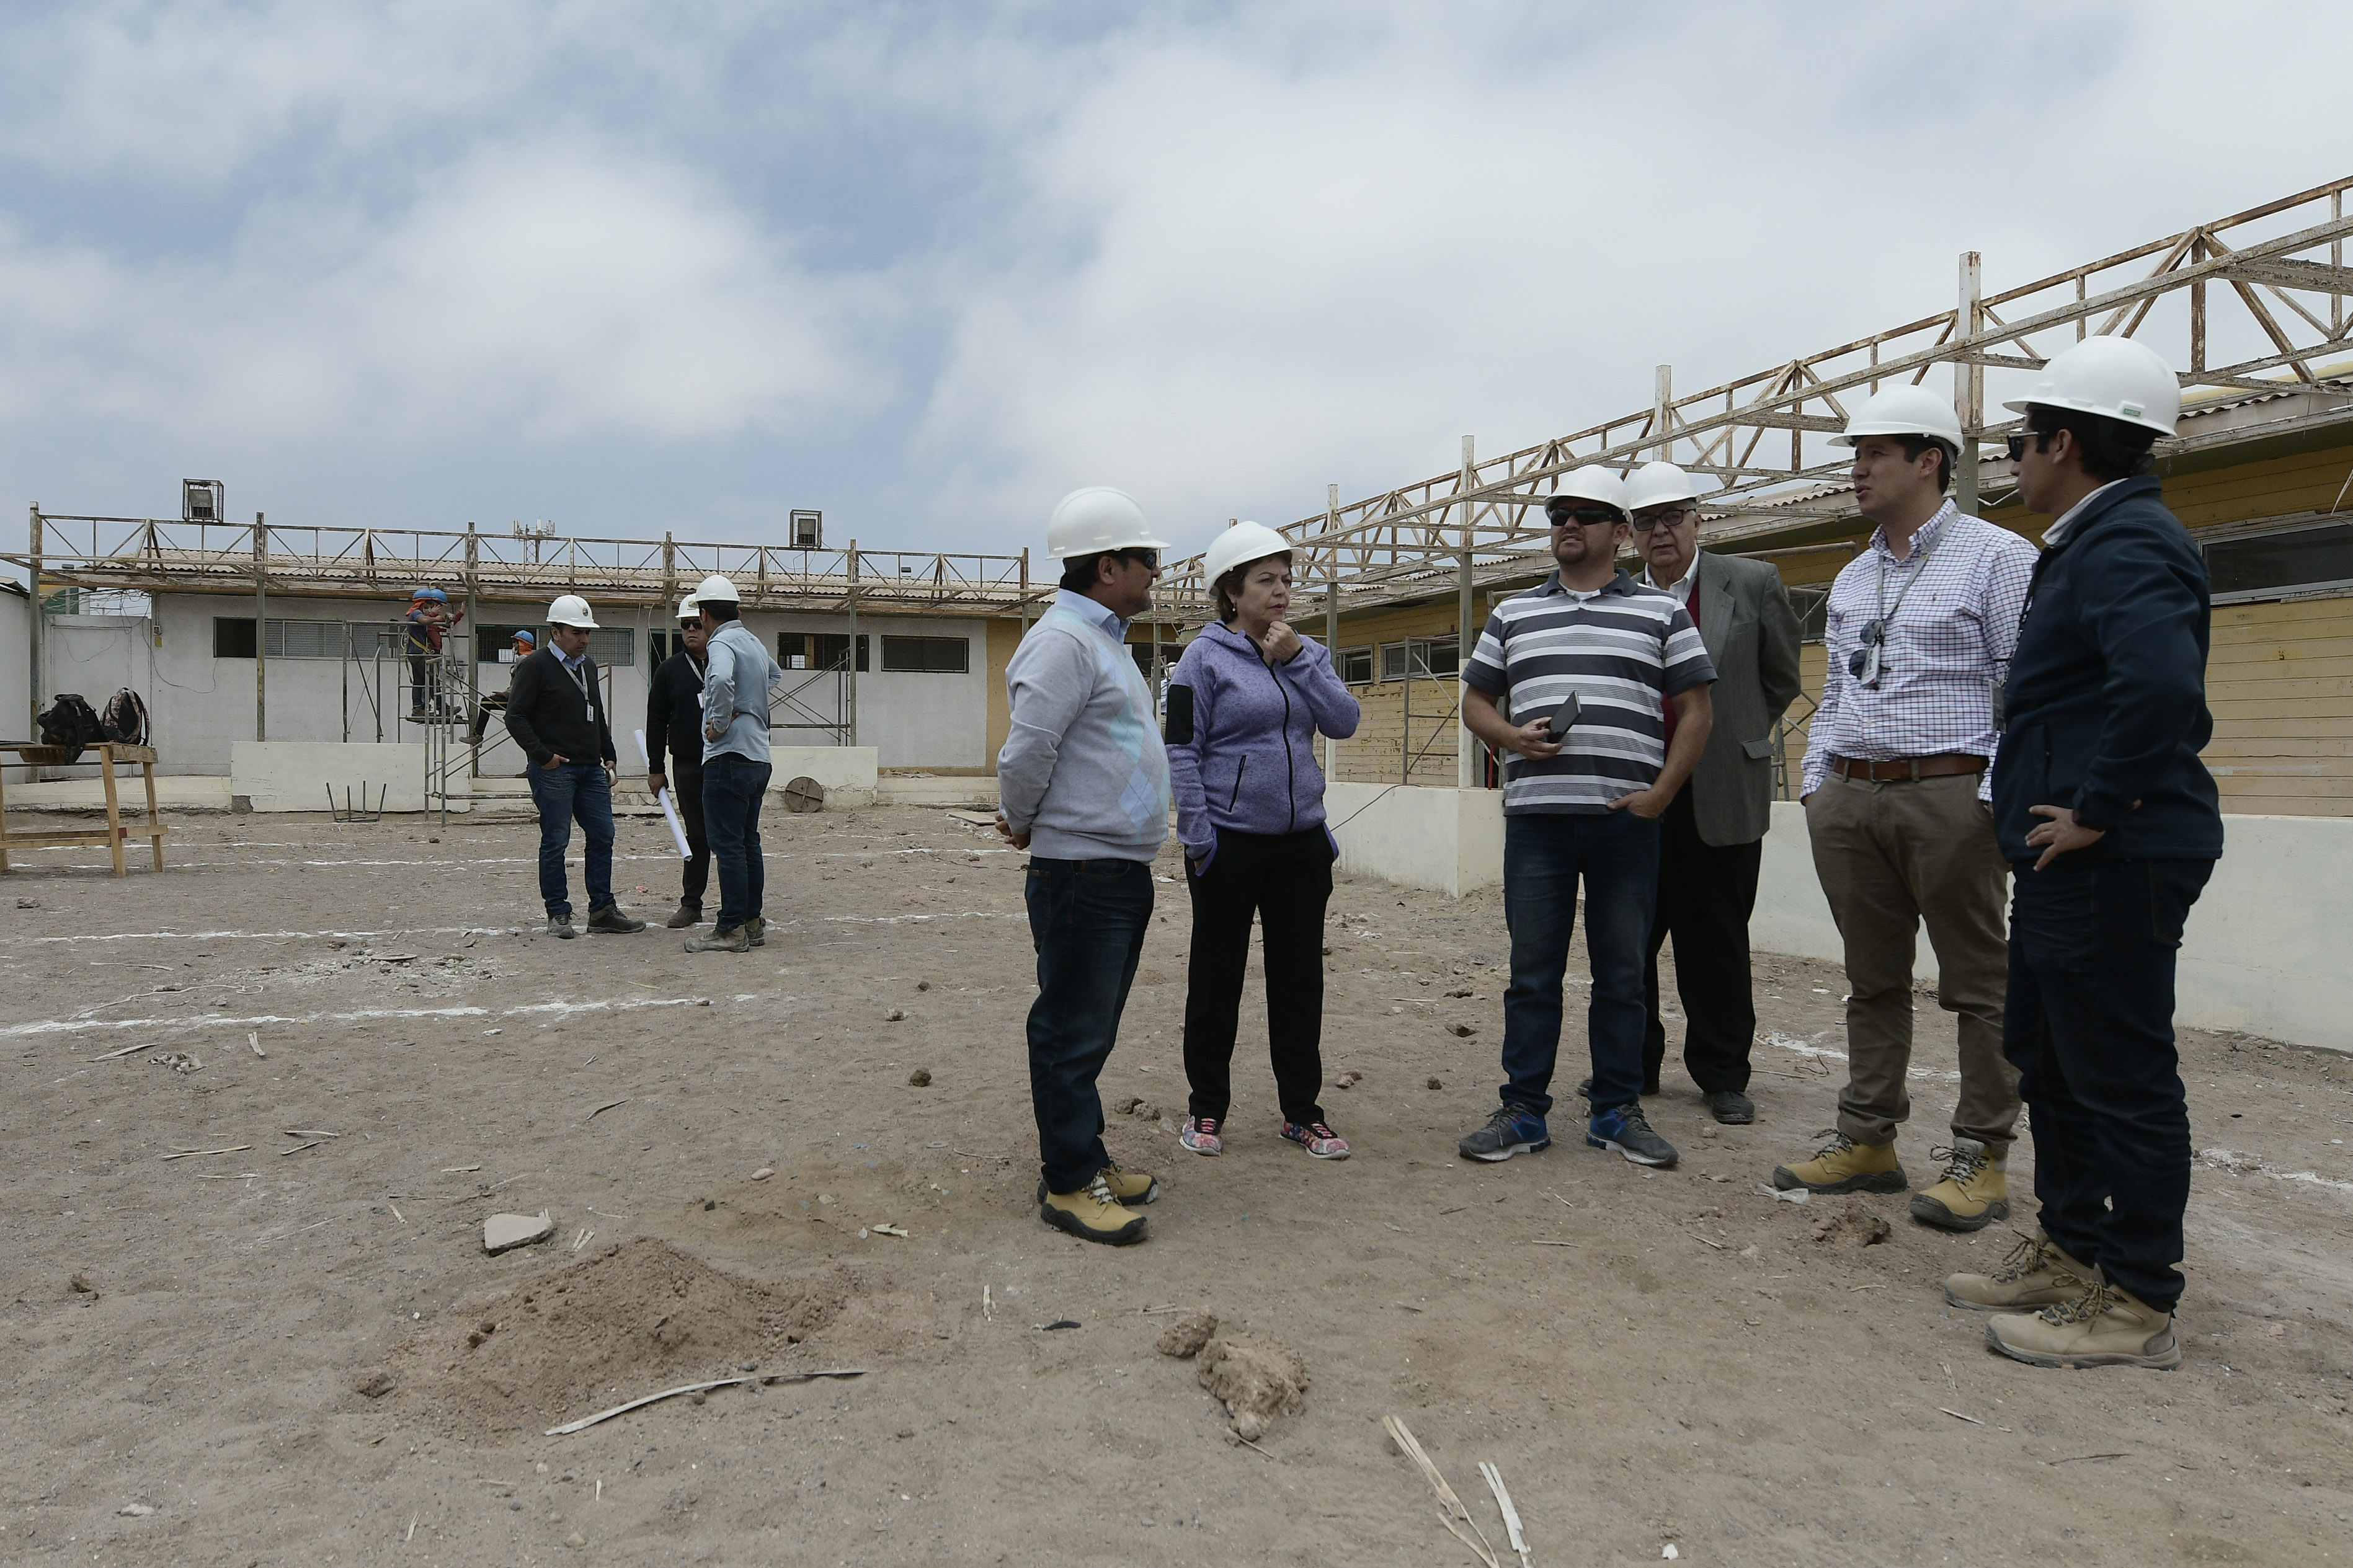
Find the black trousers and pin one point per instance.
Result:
(686, 795)
(1706, 893)
(2089, 1026)
(1285, 879)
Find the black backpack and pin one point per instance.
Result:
(125, 718)
(70, 721)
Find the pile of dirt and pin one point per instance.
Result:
(1257, 1379)
(1854, 1225)
(632, 1319)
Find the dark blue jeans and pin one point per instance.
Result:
(2089, 1026)
(574, 790)
(1088, 920)
(733, 786)
(1544, 854)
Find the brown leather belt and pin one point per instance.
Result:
(1906, 770)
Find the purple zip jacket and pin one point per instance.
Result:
(1241, 738)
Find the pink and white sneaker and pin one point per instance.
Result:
(1201, 1135)
(1317, 1138)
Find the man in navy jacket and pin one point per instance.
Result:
(2112, 825)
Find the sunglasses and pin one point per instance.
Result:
(1147, 559)
(689, 626)
(1674, 519)
(2018, 443)
(1583, 516)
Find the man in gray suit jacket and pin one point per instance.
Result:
(1711, 839)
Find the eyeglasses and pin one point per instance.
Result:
(2018, 443)
(1674, 519)
(1147, 559)
(1583, 516)
(689, 626)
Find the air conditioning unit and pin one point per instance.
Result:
(201, 500)
(808, 531)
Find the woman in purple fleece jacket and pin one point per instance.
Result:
(1245, 705)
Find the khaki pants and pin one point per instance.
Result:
(1891, 855)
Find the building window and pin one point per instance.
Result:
(792, 650)
(613, 646)
(232, 636)
(307, 639)
(492, 642)
(830, 650)
(1435, 657)
(927, 656)
(2272, 566)
(1356, 665)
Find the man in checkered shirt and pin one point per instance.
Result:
(1587, 662)
(1919, 636)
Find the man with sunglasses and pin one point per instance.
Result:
(1082, 784)
(1919, 633)
(2113, 826)
(674, 726)
(1587, 661)
(1711, 840)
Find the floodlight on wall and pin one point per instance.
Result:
(808, 530)
(202, 500)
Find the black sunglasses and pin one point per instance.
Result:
(689, 626)
(1583, 516)
(2018, 443)
(1147, 559)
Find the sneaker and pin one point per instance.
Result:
(733, 939)
(2105, 1326)
(2036, 1273)
(1625, 1130)
(756, 928)
(1317, 1138)
(1092, 1214)
(686, 915)
(1201, 1135)
(1512, 1130)
(1130, 1187)
(1843, 1165)
(610, 921)
(1731, 1107)
(560, 927)
(1973, 1193)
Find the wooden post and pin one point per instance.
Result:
(473, 652)
(34, 627)
(850, 692)
(1968, 388)
(261, 630)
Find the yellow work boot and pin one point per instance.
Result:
(1092, 1214)
(1975, 1192)
(2105, 1326)
(2037, 1273)
(1843, 1165)
(1130, 1187)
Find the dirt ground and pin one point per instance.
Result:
(290, 1348)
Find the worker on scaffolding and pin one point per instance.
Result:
(736, 674)
(520, 646)
(2112, 825)
(429, 621)
(674, 730)
(555, 712)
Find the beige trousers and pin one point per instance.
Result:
(1890, 856)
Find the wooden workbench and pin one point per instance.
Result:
(114, 835)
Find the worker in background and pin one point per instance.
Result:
(1919, 633)
(674, 731)
(736, 674)
(429, 619)
(1082, 784)
(1588, 662)
(1711, 840)
(555, 712)
(520, 646)
(2112, 825)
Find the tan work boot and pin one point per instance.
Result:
(2037, 1273)
(1092, 1214)
(2106, 1326)
(1975, 1192)
(1135, 1188)
(1845, 1165)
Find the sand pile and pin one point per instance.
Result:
(632, 1319)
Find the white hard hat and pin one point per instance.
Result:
(2117, 377)
(690, 605)
(716, 587)
(1656, 484)
(1244, 542)
(1591, 482)
(1098, 518)
(1903, 410)
(571, 610)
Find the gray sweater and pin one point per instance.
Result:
(1082, 771)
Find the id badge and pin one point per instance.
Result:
(1871, 667)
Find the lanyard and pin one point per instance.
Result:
(1864, 664)
(579, 678)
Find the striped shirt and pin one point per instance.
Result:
(1946, 646)
(1622, 649)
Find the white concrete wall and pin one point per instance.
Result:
(1449, 841)
(847, 773)
(297, 775)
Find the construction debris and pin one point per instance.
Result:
(503, 1232)
(1450, 1511)
(766, 1377)
(1257, 1379)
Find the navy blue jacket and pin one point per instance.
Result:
(2105, 705)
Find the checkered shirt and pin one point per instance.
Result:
(1947, 646)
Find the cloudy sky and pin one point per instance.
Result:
(684, 266)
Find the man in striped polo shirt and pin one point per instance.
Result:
(1586, 664)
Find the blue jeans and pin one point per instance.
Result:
(1088, 920)
(1545, 853)
(574, 790)
(733, 787)
(2089, 1026)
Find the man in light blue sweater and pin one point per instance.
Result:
(1083, 785)
(735, 768)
